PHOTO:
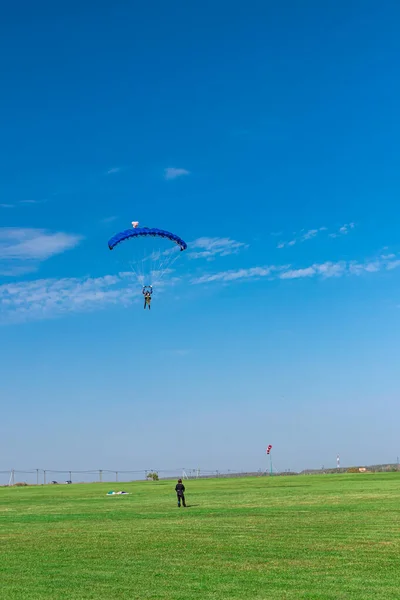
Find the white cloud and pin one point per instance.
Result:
(35, 244)
(173, 173)
(23, 202)
(343, 230)
(49, 298)
(388, 256)
(46, 298)
(15, 270)
(22, 249)
(109, 219)
(310, 234)
(302, 237)
(210, 247)
(114, 170)
(327, 269)
(235, 275)
(32, 201)
(298, 273)
(324, 270)
(393, 264)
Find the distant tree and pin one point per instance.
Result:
(153, 476)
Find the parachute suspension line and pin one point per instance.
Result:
(140, 267)
(152, 268)
(149, 265)
(137, 267)
(165, 265)
(143, 271)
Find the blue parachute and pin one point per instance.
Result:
(151, 257)
(145, 231)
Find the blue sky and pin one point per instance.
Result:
(267, 137)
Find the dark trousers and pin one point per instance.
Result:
(181, 499)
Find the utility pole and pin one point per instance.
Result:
(270, 458)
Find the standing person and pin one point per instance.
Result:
(180, 492)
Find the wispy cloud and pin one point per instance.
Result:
(114, 170)
(324, 270)
(32, 201)
(343, 230)
(303, 236)
(21, 250)
(235, 275)
(210, 247)
(35, 244)
(173, 173)
(109, 219)
(50, 298)
(10, 205)
(46, 298)
(393, 264)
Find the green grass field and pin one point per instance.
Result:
(315, 537)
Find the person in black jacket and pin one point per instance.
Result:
(180, 492)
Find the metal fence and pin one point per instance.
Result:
(46, 476)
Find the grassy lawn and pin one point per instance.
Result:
(314, 537)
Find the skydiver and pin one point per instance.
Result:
(147, 292)
(147, 300)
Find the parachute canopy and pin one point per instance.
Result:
(145, 231)
(151, 256)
